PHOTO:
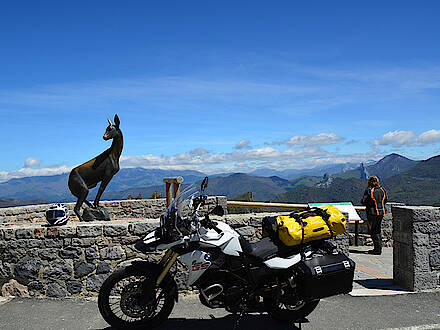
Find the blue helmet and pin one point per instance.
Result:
(57, 214)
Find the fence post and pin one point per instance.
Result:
(176, 182)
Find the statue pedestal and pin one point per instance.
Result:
(95, 214)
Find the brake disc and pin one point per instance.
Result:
(134, 303)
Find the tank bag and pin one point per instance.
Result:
(310, 225)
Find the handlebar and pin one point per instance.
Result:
(207, 223)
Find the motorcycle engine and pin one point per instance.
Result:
(218, 287)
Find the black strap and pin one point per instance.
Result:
(310, 212)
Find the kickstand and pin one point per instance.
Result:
(300, 322)
(237, 321)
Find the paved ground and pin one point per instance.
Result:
(375, 303)
(412, 311)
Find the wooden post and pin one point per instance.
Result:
(168, 193)
(176, 182)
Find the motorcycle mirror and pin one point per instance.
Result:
(218, 210)
(204, 184)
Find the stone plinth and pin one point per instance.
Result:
(416, 234)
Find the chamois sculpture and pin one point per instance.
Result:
(99, 169)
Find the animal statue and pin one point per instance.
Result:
(99, 169)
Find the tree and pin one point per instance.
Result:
(155, 195)
(139, 196)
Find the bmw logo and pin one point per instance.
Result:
(207, 257)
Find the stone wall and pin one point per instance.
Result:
(74, 260)
(118, 210)
(416, 234)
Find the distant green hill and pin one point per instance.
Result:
(9, 202)
(262, 188)
(386, 167)
(341, 190)
(54, 188)
(419, 185)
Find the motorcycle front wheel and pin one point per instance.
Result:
(130, 299)
(292, 311)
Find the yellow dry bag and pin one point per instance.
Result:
(310, 225)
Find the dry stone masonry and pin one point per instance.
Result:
(74, 260)
(416, 233)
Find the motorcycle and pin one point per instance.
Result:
(228, 271)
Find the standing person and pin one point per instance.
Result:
(375, 198)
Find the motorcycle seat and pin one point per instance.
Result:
(267, 248)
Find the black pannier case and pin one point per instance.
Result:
(268, 226)
(325, 276)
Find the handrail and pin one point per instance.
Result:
(278, 205)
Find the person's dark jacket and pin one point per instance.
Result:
(374, 200)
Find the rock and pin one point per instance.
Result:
(112, 253)
(83, 268)
(67, 231)
(13, 288)
(434, 259)
(24, 233)
(5, 269)
(246, 231)
(89, 231)
(91, 253)
(103, 268)
(73, 287)
(53, 243)
(70, 253)
(115, 230)
(95, 214)
(28, 269)
(35, 286)
(47, 254)
(57, 270)
(143, 228)
(33, 243)
(89, 241)
(94, 282)
(55, 290)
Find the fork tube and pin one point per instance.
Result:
(167, 268)
(165, 257)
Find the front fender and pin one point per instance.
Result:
(151, 267)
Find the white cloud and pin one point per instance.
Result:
(322, 139)
(429, 137)
(396, 139)
(25, 172)
(31, 162)
(243, 144)
(399, 139)
(238, 161)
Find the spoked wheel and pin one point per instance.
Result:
(130, 299)
(292, 311)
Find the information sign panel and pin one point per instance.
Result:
(346, 207)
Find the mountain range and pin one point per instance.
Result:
(406, 180)
(417, 185)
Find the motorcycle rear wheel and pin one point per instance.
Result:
(129, 299)
(290, 312)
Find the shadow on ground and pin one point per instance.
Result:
(226, 322)
(379, 283)
(357, 251)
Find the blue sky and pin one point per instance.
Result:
(217, 85)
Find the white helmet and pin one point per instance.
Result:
(57, 214)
